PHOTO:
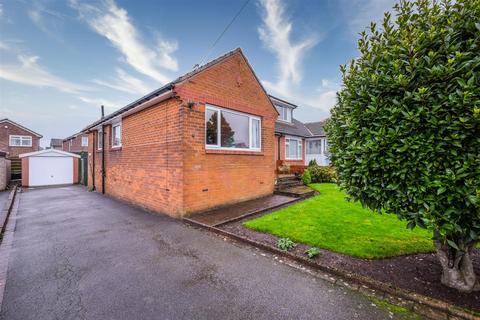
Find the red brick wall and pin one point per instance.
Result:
(74, 144)
(163, 165)
(147, 169)
(216, 178)
(75, 170)
(7, 129)
(25, 171)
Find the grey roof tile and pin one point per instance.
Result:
(316, 128)
(296, 128)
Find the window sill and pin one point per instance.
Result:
(234, 152)
(116, 148)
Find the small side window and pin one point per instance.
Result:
(116, 135)
(84, 141)
(99, 139)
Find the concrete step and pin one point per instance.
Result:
(298, 192)
(289, 185)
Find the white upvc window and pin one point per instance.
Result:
(84, 141)
(99, 139)
(293, 148)
(231, 130)
(20, 141)
(314, 146)
(117, 135)
(285, 113)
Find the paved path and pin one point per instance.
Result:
(80, 255)
(3, 198)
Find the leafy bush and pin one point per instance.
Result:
(312, 252)
(306, 177)
(405, 133)
(312, 163)
(284, 168)
(321, 174)
(285, 244)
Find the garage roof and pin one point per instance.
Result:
(42, 152)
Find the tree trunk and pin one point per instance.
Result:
(457, 267)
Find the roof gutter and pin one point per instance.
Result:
(149, 103)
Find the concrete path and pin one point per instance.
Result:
(80, 255)
(219, 216)
(3, 198)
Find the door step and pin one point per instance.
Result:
(297, 191)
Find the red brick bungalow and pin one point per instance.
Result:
(202, 141)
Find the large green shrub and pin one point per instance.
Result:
(405, 133)
(321, 174)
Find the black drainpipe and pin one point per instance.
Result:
(278, 151)
(103, 152)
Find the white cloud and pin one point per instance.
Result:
(126, 83)
(359, 13)
(4, 46)
(323, 97)
(47, 20)
(28, 71)
(275, 34)
(113, 23)
(97, 102)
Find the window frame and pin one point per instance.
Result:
(12, 136)
(99, 134)
(321, 147)
(218, 146)
(289, 113)
(115, 125)
(84, 144)
(299, 148)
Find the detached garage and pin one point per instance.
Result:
(49, 167)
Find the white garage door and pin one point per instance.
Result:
(46, 171)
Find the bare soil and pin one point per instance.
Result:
(418, 273)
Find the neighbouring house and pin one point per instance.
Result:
(76, 143)
(202, 141)
(16, 139)
(56, 144)
(297, 143)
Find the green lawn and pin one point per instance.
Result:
(329, 221)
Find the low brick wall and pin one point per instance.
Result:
(4, 171)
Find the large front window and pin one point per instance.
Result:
(293, 149)
(225, 129)
(20, 141)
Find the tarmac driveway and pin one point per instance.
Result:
(81, 255)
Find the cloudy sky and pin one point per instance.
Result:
(61, 60)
